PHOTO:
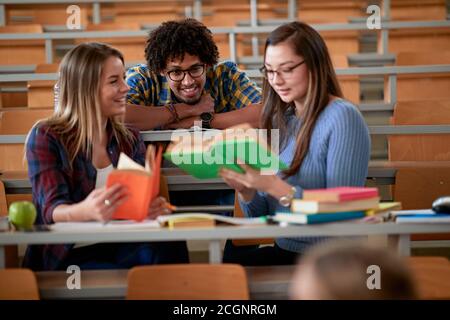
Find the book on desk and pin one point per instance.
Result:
(187, 220)
(418, 216)
(172, 221)
(335, 204)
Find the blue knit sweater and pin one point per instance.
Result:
(338, 155)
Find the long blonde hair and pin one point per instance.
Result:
(77, 117)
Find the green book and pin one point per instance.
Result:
(203, 158)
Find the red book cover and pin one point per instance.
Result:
(340, 194)
(142, 186)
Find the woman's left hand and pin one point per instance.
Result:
(159, 207)
(251, 178)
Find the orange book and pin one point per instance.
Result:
(142, 184)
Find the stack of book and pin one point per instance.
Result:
(329, 205)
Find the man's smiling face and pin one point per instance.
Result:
(189, 89)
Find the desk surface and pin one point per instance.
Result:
(220, 233)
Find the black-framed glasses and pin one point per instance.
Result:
(194, 71)
(285, 73)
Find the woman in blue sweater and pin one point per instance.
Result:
(323, 138)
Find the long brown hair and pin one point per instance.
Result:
(78, 114)
(307, 43)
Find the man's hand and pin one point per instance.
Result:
(186, 123)
(206, 104)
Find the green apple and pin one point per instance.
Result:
(22, 214)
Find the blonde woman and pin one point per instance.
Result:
(70, 155)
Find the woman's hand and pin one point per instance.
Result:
(100, 204)
(245, 193)
(159, 207)
(246, 183)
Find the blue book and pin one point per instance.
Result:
(423, 218)
(300, 218)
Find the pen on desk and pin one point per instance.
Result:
(170, 206)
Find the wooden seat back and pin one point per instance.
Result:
(188, 282)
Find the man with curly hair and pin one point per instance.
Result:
(185, 83)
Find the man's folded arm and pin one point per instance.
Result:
(250, 114)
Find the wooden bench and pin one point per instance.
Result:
(350, 85)
(424, 86)
(425, 147)
(328, 11)
(17, 122)
(419, 10)
(22, 51)
(132, 48)
(431, 274)
(228, 14)
(147, 13)
(432, 40)
(41, 92)
(44, 14)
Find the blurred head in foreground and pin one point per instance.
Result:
(346, 271)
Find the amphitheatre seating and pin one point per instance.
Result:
(327, 11)
(18, 284)
(422, 100)
(427, 147)
(40, 92)
(418, 40)
(22, 51)
(44, 14)
(147, 13)
(414, 87)
(418, 10)
(11, 98)
(349, 84)
(226, 14)
(131, 47)
(12, 155)
(188, 281)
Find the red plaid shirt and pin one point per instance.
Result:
(54, 183)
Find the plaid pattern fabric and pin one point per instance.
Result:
(54, 183)
(230, 88)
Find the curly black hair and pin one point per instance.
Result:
(172, 39)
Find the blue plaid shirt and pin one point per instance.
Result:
(230, 88)
(54, 183)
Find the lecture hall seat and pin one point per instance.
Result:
(188, 282)
(18, 284)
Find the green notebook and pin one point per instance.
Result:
(204, 160)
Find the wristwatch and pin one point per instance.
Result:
(206, 118)
(286, 200)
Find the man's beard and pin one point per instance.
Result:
(190, 102)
